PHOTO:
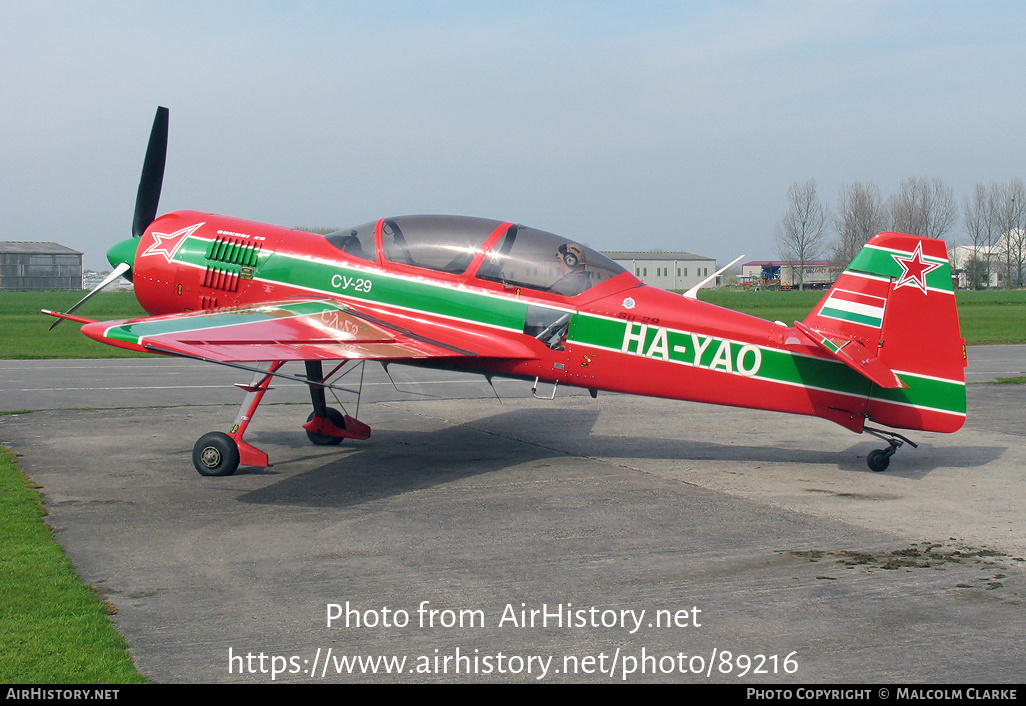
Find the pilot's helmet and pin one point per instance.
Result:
(573, 254)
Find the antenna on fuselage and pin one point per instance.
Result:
(693, 292)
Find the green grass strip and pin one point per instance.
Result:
(53, 628)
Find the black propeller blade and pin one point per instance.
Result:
(148, 198)
(122, 255)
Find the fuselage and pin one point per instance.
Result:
(617, 335)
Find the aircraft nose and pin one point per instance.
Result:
(123, 253)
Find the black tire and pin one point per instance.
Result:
(878, 460)
(215, 454)
(337, 419)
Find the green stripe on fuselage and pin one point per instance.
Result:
(705, 351)
(925, 392)
(775, 365)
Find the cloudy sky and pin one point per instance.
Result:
(626, 125)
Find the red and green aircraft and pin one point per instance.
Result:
(495, 297)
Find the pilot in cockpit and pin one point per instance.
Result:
(574, 277)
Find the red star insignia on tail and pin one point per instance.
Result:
(167, 244)
(914, 269)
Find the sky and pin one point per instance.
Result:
(624, 125)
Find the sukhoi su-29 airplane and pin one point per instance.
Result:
(882, 346)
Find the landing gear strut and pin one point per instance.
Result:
(220, 454)
(879, 459)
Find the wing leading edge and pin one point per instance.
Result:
(302, 330)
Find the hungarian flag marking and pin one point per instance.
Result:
(854, 307)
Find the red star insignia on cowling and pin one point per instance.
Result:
(167, 244)
(914, 269)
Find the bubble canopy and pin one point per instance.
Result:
(521, 257)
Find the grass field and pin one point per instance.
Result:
(53, 629)
(986, 317)
(993, 317)
(25, 333)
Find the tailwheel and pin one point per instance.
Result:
(335, 418)
(879, 459)
(215, 454)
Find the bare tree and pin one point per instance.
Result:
(924, 207)
(861, 214)
(1010, 214)
(980, 226)
(800, 233)
(1015, 256)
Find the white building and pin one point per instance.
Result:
(960, 257)
(666, 270)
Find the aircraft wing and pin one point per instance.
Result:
(315, 329)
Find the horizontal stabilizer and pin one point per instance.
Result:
(855, 355)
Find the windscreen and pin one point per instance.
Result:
(440, 243)
(526, 257)
(357, 242)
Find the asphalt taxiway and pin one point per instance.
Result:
(759, 546)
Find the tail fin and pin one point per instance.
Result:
(891, 316)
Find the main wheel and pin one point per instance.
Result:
(215, 454)
(336, 418)
(878, 460)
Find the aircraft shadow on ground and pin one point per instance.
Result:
(394, 462)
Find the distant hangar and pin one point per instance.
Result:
(39, 266)
(666, 270)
